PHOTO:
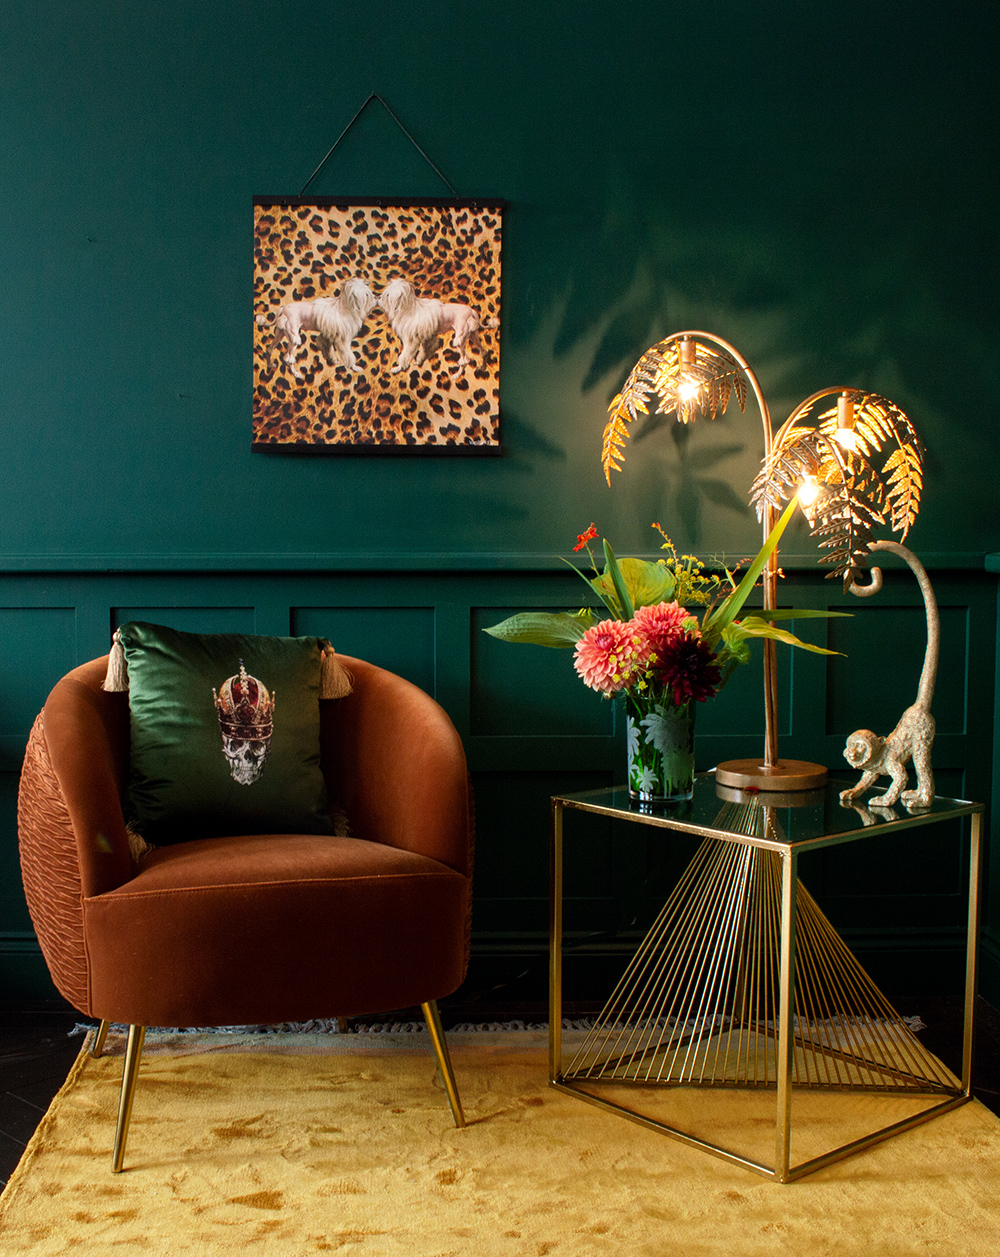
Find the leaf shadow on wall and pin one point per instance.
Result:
(810, 307)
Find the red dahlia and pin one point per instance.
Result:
(688, 667)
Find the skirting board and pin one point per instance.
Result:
(24, 978)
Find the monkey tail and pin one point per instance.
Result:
(928, 676)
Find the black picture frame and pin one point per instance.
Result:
(334, 370)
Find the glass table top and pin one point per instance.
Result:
(790, 820)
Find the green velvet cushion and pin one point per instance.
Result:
(225, 734)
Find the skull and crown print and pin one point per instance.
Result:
(246, 722)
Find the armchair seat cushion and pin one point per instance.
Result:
(246, 928)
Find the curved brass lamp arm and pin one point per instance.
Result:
(807, 405)
(770, 575)
(734, 353)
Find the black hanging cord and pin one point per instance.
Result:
(375, 96)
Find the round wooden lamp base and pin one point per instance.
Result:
(786, 774)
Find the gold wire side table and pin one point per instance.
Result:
(743, 989)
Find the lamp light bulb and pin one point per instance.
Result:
(844, 434)
(688, 391)
(808, 491)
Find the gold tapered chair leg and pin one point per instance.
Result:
(97, 1047)
(433, 1019)
(130, 1076)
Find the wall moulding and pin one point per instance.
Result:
(210, 562)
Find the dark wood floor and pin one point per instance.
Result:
(37, 1050)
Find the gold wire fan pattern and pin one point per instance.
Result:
(858, 492)
(698, 1005)
(711, 376)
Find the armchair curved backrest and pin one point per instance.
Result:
(259, 928)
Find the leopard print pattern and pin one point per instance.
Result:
(450, 252)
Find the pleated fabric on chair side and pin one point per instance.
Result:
(51, 871)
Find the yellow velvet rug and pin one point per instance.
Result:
(351, 1149)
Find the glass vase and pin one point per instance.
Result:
(660, 749)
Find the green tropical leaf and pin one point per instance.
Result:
(544, 628)
(646, 583)
(753, 626)
(626, 609)
(799, 613)
(734, 649)
(718, 620)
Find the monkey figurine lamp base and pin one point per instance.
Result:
(913, 736)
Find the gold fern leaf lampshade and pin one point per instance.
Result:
(854, 466)
(862, 461)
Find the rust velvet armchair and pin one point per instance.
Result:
(255, 929)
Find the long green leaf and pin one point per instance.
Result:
(727, 611)
(627, 610)
(752, 626)
(544, 628)
(595, 585)
(799, 613)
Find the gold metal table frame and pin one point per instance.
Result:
(742, 983)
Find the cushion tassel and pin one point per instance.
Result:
(137, 845)
(334, 679)
(116, 679)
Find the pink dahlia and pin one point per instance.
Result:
(661, 620)
(605, 656)
(657, 627)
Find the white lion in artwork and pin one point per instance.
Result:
(419, 322)
(337, 320)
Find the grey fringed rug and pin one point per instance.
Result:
(323, 1035)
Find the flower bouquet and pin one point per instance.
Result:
(654, 651)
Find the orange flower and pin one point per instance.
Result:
(584, 537)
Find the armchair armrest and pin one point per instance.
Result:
(395, 760)
(86, 735)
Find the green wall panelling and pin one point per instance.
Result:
(512, 853)
(13, 909)
(894, 636)
(191, 619)
(520, 690)
(40, 644)
(738, 709)
(919, 876)
(531, 729)
(400, 639)
(990, 951)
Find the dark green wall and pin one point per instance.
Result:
(815, 183)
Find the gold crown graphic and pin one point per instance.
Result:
(245, 708)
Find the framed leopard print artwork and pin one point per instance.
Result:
(376, 326)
